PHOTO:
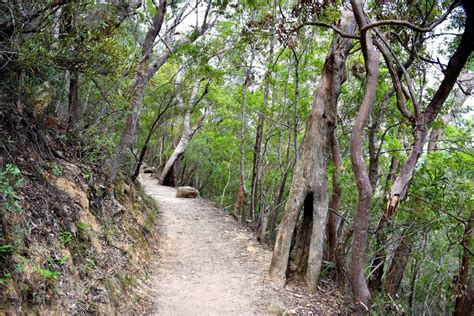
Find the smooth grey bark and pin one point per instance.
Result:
(309, 175)
(188, 133)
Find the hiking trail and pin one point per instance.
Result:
(208, 264)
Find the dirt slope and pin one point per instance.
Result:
(210, 265)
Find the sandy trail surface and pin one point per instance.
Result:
(208, 264)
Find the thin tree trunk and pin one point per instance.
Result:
(239, 205)
(374, 153)
(186, 137)
(259, 133)
(416, 272)
(463, 293)
(309, 175)
(397, 267)
(144, 72)
(364, 189)
(296, 105)
(333, 218)
(466, 82)
(378, 263)
(143, 152)
(73, 98)
(225, 187)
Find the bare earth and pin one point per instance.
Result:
(210, 265)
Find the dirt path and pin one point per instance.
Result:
(210, 265)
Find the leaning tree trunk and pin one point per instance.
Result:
(309, 176)
(142, 75)
(144, 149)
(188, 133)
(455, 65)
(144, 72)
(364, 189)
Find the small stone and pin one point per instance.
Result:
(276, 308)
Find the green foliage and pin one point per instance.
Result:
(59, 261)
(10, 182)
(48, 274)
(65, 237)
(4, 277)
(56, 169)
(7, 248)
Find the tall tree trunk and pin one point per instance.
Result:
(309, 175)
(239, 204)
(333, 218)
(186, 137)
(464, 291)
(364, 189)
(397, 267)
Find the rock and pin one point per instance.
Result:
(276, 308)
(290, 312)
(187, 192)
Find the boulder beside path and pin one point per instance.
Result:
(187, 192)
